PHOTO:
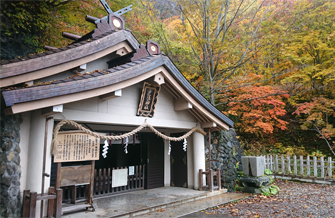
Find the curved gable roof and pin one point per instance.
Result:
(95, 81)
(70, 53)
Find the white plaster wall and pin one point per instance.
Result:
(126, 107)
(24, 145)
(99, 64)
(122, 111)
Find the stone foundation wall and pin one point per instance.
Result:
(225, 148)
(10, 170)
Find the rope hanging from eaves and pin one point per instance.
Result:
(118, 137)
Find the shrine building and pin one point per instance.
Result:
(109, 84)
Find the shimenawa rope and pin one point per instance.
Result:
(118, 137)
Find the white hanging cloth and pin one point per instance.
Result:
(105, 149)
(126, 146)
(169, 152)
(185, 144)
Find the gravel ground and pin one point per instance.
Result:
(293, 200)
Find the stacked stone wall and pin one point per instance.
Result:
(10, 169)
(227, 150)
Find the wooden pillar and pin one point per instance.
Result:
(90, 194)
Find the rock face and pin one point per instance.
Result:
(10, 169)
(226, 149)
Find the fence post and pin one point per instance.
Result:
(330, 164)
(282, 164)
(315, 163)
(295, 165)
(26, 202)
(322, 164)
(276, 164)
(301, 166)
(308, 166)
(288, 164)
(201, 182)
(210, 180)
(59, 194)
(218, 178)
(271, 163)
(32, 204)
(51, 203)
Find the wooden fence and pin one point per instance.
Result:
(103, 185)
(54, 208)
(309, 169)
(210, 174)
(103, 181)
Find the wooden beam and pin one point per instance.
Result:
(122, 51)
(52, 110)
(91, 19)
(196, 115)
(208, 125)
(50, 48)
(29, 83)
(159, 79)
(181, 104)
(70, 36)
(117, 93)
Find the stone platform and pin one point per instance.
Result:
(156, 202)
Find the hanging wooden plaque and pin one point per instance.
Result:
(74, 146)
(148, 100)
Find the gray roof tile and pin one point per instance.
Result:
(100, 79)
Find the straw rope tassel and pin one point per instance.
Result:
(118, 137)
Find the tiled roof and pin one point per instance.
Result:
(106, 78)
(69, 53)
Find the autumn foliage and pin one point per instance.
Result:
(268, 65)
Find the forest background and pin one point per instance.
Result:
(268, 65)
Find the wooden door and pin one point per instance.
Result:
(155, 161)
(178, 158)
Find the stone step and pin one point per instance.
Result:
(190, 209)
(160, 207)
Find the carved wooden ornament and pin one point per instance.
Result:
(148, 100)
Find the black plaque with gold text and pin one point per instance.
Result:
(148, 100)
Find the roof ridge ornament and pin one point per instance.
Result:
(151, 48)
(109, 10)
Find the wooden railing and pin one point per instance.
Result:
(309, 169)
(75, 194)
(103, 185)
(54, 208)
(210, 174)
(103, 181)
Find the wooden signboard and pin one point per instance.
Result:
(148, 100)
(75, 175)
(75, 146)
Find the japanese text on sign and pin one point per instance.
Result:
(76, 147)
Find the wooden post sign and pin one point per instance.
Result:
(75, 146)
